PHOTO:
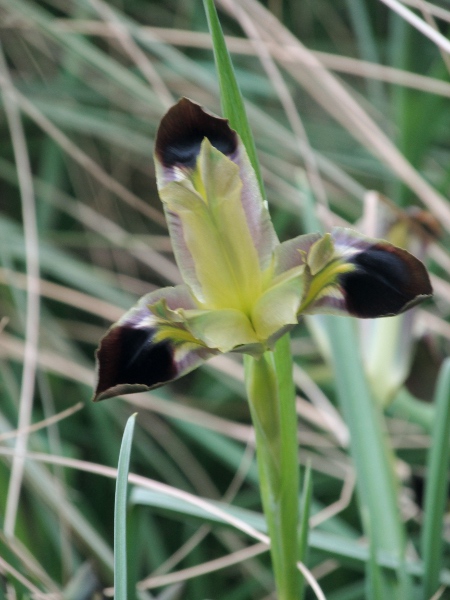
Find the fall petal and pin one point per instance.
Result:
(386, 281)
(142, 351)
(366, 278)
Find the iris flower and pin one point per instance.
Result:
(243, 289)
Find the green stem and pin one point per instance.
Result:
(275, 422)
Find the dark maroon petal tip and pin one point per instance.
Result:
(386, 281)
(128, 360)
(182, 130)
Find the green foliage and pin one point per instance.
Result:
(91, 81)
(120, 513)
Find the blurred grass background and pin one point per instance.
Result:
(343, 98)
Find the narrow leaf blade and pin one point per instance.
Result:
(120, 513)
(437, 482)
(231, 98)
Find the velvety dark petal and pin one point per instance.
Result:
(386, 281)
(365, 277)
(182, 131)
(131, 359)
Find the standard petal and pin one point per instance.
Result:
(277, 309)
(178, 144)
(366, 278)
(216, 234)
(138, 354)
(292, 253)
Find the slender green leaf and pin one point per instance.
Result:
(436, 491)
(351, 553)
(369, 446)
(232, 103)
(120, 514)
(305, 511)
(375, 587)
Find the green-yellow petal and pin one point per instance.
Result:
(216, 232)
(320, 254)
(279, 305)
(222, 329)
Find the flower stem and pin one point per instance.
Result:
(272, 406)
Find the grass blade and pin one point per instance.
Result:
(120, 514)
(369, 448)
(437, 484)
(231, 98)
(305, 511)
